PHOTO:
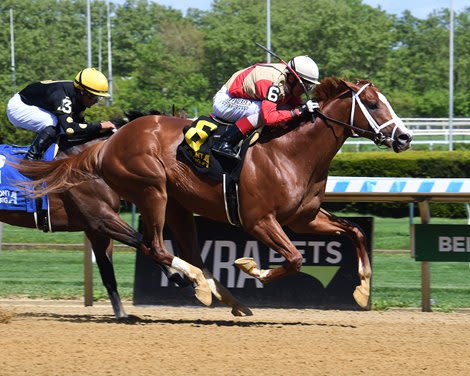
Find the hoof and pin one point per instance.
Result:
(121, 316)
(361, 294)
(203, 292)
(241, 310)
(246, 264)
(131, 319)
(360, 298)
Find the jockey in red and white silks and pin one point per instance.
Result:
(263, 94)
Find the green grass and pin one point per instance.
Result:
(58, 274)
(394, 233)
(397, 283)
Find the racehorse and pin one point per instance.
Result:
(93, 207)
(282, 181)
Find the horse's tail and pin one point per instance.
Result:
(62, 174)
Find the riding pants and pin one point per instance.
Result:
(32, 118)
(241, 111)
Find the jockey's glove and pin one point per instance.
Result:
(309, 107)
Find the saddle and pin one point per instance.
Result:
(196, 150)
(12, 195)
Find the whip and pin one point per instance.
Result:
(287, 65)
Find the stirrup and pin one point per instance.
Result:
(32, 157)
(230, 153)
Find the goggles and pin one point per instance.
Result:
(92, 97)
(309, 86)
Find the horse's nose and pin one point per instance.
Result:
(405, 138)
(402, 142)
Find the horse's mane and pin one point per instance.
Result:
(329, 88)
(132, 115)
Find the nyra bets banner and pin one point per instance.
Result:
(442, 242)
(327, 278)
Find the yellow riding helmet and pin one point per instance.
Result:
(92, 81)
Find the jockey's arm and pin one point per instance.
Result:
(72, 123)
(273, 112)
(272, 116)
(73, 128)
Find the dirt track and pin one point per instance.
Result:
(65, 338)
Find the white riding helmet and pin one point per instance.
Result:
(306, 68)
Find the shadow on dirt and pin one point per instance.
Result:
(147, 320)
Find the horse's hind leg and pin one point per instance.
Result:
(102, 248)
(152, 205)
(326, 223)
(182, 226)
(138, 174)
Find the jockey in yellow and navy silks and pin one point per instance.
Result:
(52, 107)
(263, 94)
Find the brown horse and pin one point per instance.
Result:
(282, 181)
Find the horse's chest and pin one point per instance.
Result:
(309, 205)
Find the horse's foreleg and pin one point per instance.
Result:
(225, 296)
(102, 248)
(269, 231)
(182, 226)
(326, 223)
(152, 208)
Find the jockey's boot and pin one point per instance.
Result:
(227, 142)
(43, 140)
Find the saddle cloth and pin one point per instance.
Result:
(196, 150)
(12, 196)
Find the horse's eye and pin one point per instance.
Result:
(373, 105)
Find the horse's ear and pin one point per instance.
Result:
(348, 84)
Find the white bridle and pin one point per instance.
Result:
(372, 123)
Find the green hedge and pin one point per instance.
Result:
(416, 164)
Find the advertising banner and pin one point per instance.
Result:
(327, 278)
(442, 242)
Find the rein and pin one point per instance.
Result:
(346, 125)
(377, 137)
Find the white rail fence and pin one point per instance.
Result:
(431, 131)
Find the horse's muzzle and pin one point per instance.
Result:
(402, 142)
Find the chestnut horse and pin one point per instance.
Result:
(282, 181)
